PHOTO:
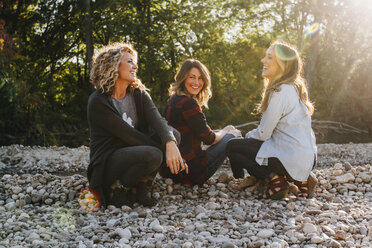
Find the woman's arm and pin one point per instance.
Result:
(173, 156)
(196, 120)
(228, 129)
(158, 122)
(270, 118)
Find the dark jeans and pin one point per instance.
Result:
(130, 164)
(216, 154)
(242, 154)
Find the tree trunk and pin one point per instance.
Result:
(88, 34)
(312, 59)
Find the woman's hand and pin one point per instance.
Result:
(174, 159)
(228, 129)
(232, 130)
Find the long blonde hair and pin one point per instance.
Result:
(178, 87)
(290, 72)
(105, 66)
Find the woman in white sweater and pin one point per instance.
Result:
(282, 147)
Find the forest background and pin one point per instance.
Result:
(46, 47)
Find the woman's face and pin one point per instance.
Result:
(270, 65)
(127, 68)
(194, 82)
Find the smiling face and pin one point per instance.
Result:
(194, 82)
(127, 69)
(270, 65)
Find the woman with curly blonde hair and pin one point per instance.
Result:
(282, 147)
(188, 93)
(125, 155)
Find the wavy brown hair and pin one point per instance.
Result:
(104, 72)
(290, 72)
(178, 87)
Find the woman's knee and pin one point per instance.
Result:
(231, 145)
(228, 137)
(154, 156)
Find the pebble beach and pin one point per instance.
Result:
(39, 187)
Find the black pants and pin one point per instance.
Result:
(130, 164)
(242, 155)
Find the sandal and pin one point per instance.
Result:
(277, 189)
(306, 188)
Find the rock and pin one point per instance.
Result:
(199, 209)
(256, 244)
(275, 245)
(16, 189)
(187, 245)
(156, 195)
(189, 228)
(71, 195)
(363, 230)
(340, 234)
(366, 177)
(112, 222)
(133, 215)
(347, 166)
(154, 223)
(27, 199)
(124, 233)
(209, 215)
(33, 236)
(158, 228)
(37, 242)
(265, 233)
(309, 228)
(328, 230)
(227, 244)
(35, 197)
(81, 245)
(333, 243)
(23, 217)
(200, 226)
(123, 241)
(169, 190)
(316, 240)
(212, 206)
(291, 206)
(337, 172)
(10, 205)
(155, 226)
(338, 166)
(345, 178)
(169, 181)
(159, 237)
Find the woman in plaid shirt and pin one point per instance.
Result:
(188, 93)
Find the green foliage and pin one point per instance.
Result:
(44, 83)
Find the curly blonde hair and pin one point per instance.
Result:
(178, 87)
(104, 72)
(290, 72)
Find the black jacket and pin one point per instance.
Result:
(109, 132)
